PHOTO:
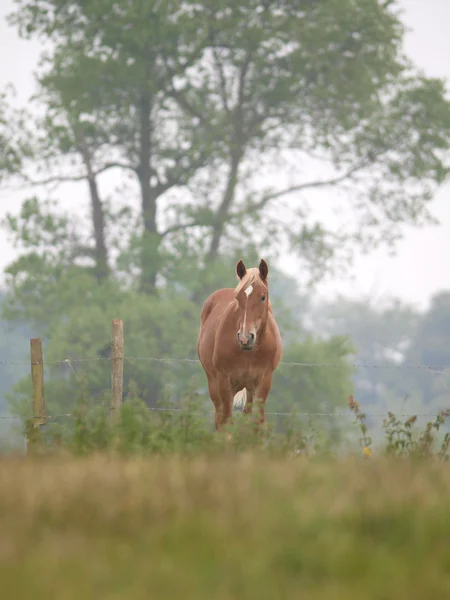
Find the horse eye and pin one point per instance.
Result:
(263, 298)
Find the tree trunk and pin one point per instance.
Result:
(150, 237)
(222, 213)
(98, 220)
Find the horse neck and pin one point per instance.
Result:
(264, 324)
(231, 314)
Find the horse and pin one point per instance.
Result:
(239, 344)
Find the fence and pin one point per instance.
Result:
(117, 358)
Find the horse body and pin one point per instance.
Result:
(239, 343)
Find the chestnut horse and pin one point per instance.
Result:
(239, 343)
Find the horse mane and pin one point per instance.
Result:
(252, 276)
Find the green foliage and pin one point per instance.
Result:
(380, 333)
(15, 147)
(154, 328)
(430, 347)
(430, 339)
(14, 357)
(315, 389)
(186, 429)
(403, 438)
(403, 342)
(13, 349)
(10, 159)
(206, 102)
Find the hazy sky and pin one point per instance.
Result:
(422, 264)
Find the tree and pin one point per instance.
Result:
(14, 357)
(311, 389)
(114, 80)
(381, 334)
(403, 353)
(14, 348)
(64, 136)
(381, 331)
(208, 99)
(430, 347)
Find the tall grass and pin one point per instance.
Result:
(159, 506)
(225, 527)
(187, 428)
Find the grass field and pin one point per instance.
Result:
(236, 526)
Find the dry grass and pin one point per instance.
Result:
(231, 527)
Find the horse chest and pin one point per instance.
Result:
(245, 377)
(247, 365)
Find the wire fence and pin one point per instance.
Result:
(434, 369)
(401, 366)
(279, 414)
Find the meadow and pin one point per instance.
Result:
(234, 526)
(157, 506)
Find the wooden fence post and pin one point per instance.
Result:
(117, 354)
(37, 379)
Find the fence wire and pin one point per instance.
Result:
(435, 369)
(279, 414)
(68, 361)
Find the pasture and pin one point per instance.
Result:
(231, 526)
(116, 501)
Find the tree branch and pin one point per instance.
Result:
(181, 227)
(273, 196)
(242, 76)
(306, 185)
(179, 175)
(56, 179)
(75, 178)
(222, 80)
(116, 165)
(371, 158)
(186, 106)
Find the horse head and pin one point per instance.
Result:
(252, 296)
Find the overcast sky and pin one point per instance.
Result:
(421, 267)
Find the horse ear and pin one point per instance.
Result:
(263, 269)
(240, 269)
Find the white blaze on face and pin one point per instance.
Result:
(247, 292)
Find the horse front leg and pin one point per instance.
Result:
(261, 393)
(248, 401)
(216, 400)
(226, 400)
(248, 409)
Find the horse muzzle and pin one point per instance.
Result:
(246, 340)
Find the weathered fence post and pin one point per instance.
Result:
(37, 380)
(117, 354)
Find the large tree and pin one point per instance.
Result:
(210, 99)
(107, 79)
